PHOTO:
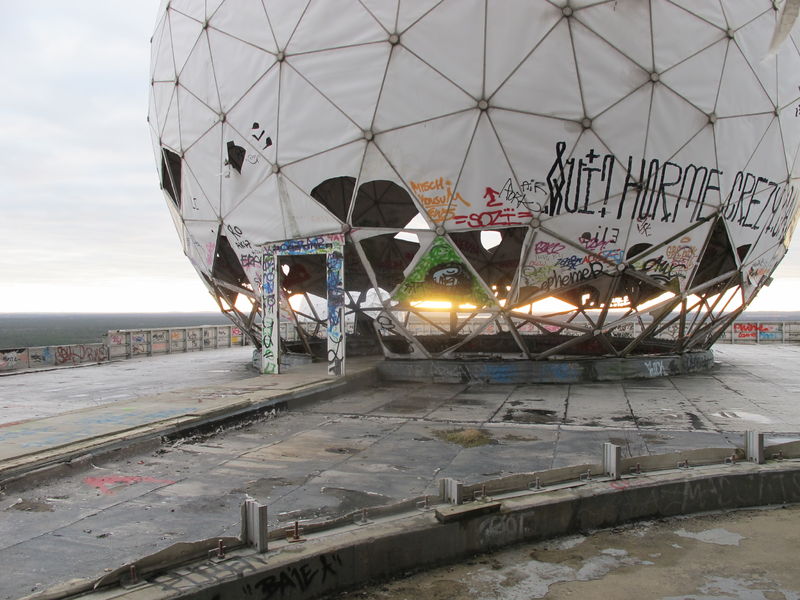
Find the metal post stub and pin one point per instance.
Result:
(451, 490)
(254, 524)
(754, 447)
(612, 457)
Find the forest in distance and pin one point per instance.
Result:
(20, 330)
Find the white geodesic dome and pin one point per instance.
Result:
(634, 159)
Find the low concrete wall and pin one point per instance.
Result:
(550, 371)
(40, 357)
(129, 343)
(387, 548)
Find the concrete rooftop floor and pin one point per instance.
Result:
(379, 444)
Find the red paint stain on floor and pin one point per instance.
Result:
(103, 483)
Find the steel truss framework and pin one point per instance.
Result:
(634, 160)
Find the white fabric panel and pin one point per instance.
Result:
(284, 15)
(540, 136)
(755, 45)
(738, 14)
(255, 116)
(375, 166)
(740, 92)
(790, 129)
(630, 16)
(756, 269)
(697, 34)
(198, 76)
(238, 187)
(162, 64)
(788, 58)
(190, 8)
(245, 20)
(698, 153)
(385, 11)
(308, 120)
(202, 243)
(605, 75)
(479, 201)
(195, 205)
(707, 11)
(278, 210)
(327, 25)
(202, 118)
(754, 201)
(251, 64)
(205, 161)
(412, 10)
(455, 26)
(185, 33)
(350, 77)
(401, 101)
(677, 260)
(673, 122)
(171, 133)
(341, 162)
(533, 86)
(430, 157)
(698, 78)
(623, 126)
(510, 39)
(736, 140)
(161, 99)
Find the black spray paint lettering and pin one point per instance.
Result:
(299, 578)
(647, 191)
(259, 136)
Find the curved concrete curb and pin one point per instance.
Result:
(574, 370)
(28, 468)
(388, 547)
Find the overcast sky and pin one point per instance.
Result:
(84, 224)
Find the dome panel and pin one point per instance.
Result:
(246, 21)
(530, 88)
(401, 104)
(309, 120)
(351, 78)
(435, 30)
(509, 40)
(353, 25)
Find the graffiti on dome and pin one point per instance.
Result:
(442, 275)
(436, 196)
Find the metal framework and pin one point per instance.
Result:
(518, 180)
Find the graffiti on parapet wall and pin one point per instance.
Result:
(81, 353)
(297, 579)
(12, 359)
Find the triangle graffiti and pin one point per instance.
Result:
(442, 275)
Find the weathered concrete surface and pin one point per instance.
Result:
(35, 395)
(742, 554)
(392, 546)
(363, 448)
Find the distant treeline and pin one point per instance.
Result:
(19, 330)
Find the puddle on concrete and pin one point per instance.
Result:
(26, 505)
(342, 450)
(265, 486)
(510, 437)
(719, 536)
(538, 416)
(695, 421)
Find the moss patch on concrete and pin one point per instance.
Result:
(468, 438)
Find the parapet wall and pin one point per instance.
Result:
(42, 357)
